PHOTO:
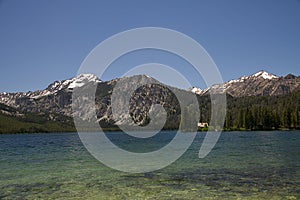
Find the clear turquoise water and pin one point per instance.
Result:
(243, 165)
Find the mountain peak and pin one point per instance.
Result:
(265, 75)
(81, 80)
(77, 81)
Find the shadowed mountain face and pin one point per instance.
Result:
(260, 84)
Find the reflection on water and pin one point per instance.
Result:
(245, 165)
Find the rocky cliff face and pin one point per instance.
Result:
(57, 98)
(259, 84)
(139, 101)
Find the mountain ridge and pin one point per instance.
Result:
(261, 83)
(54, 104)
(59, 93)
(80, 79)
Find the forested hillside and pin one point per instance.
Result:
(14, 121)
(258, 113)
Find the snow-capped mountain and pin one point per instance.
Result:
(55, 102)
(70, 84)
(57, 97)
(258, 84)
(56, 90)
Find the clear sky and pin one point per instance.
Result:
(43, 41)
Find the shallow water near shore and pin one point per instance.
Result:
(242, 165)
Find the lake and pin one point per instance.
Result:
(242, 165)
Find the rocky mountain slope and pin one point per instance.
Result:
(57, 99)
(259, 84)
(53, 105)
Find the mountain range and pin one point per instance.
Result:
(261, 83)
(53, 105)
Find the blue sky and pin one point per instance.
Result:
(42, 41)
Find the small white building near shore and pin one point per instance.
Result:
(202, 124)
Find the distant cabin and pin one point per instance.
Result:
(202, 124)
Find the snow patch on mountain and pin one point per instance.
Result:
(52, 89)
(82, 79)
(237, 84)
(264, 75)
(196, 90)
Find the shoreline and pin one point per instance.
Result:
(119, 130)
